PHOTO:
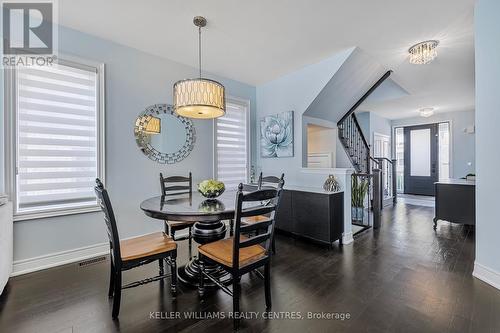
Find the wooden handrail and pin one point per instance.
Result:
(384, 158)
(362, 99)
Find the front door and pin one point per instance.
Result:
(421, 159)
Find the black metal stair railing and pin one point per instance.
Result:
(351, 136)
(358, 150)
(355, 144)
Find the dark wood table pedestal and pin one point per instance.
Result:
(205, 233)
(207, 214)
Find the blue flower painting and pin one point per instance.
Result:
(276, 135)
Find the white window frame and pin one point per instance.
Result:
(10, 107)
(246, 104)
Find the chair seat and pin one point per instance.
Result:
(145, 246)
(221, 251)
(254, 219)
(180, 223)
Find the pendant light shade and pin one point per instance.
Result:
(153, 125)
(199, 98)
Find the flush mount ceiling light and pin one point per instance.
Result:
(426, 112)
(423, 53)
(199, 98)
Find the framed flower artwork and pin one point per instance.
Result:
(276, 135)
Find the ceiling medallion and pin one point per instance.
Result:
(424, 52)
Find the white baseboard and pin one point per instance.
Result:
(347, 238)
(59, 258)
(487, 275)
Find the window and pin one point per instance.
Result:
(444, 150)
(58, 138)
(400, 159)
(232, 144)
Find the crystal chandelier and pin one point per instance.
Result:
(199, 98)
(423, 53)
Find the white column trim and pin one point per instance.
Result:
(347, 237)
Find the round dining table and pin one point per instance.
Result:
(208, 215)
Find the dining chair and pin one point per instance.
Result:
(270, 181)
(177, 185)
(250, 187)
(134, 252)
(241, 254)
(246, 188)
(266, 182)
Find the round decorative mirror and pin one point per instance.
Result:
(164, 136)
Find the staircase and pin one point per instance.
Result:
(351, 136)
(358, 150)
(355, 144)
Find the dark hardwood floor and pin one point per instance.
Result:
(405, 277)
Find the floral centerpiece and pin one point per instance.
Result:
(211, 188)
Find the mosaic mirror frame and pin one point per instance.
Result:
(143, 139)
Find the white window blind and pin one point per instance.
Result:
(232, 146)
(57, 122)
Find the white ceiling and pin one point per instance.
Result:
(260, 40)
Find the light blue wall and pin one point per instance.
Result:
(371, 123)
(462, 144)
(134, 80)
(379, 125)
(487, 37)
(2, 125)
(294, 91)
(364, 123)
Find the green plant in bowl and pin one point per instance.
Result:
(211, 188)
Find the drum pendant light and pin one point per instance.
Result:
(199, 98)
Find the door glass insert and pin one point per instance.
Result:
(420, 152)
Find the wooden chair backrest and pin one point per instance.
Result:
(269, 202)
(109, 219)
(168, 189)
(270, 181)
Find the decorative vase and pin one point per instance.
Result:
(331, 184)
(357, 214)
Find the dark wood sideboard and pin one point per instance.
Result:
(312, 214)
(455, 201)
